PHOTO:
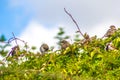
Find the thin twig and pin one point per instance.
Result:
(15, 39)
(12, 39)
(74, 22)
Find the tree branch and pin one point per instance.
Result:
(74, 22)
(15, 39)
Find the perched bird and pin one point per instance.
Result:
(86, 39)
(86, 36)
(44, 48)
(14, 50)
(64, 44)
(110, 31)
(109, 46)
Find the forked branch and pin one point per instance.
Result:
(74, 22)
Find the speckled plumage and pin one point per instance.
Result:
(110, 31)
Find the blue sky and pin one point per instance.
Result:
(11, 19)
(37, 21)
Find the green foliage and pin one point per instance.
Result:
(60, 35)
(76, 38)
(2, 38)
(3, 52)
(89, 61)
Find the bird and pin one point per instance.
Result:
(86, 36)
(110, 31)
(64, 44)
(44, 48)
(86, 39)
(109, 46)
(14, 50)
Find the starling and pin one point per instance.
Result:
(64, 44)
(109, 46)
(14, 50)
(110, 31)
(44, 48)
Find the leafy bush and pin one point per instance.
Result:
(77, 62)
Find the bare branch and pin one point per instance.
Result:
(74, 21)
(15, 39)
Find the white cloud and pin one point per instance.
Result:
(93, 17)
(36, 34)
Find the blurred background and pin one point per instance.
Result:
(38, 21)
